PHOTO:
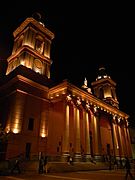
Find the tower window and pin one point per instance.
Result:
(31, 124)
(39, 45)
(101, 96)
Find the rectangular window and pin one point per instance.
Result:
(31, 124)
(27, 150)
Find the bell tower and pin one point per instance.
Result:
(32, 44)
(104, 88)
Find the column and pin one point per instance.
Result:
(115, 140)
(120, 141)
(124, 142)
(128, 142)
(18, 113)
(97, 137)
(87, 137)
(77, 135)
(65, 143)
(44, 124)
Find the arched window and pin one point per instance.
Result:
(38, 66)
(39, 44)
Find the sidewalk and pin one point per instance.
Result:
(54, 167)
(66, 167)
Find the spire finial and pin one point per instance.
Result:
(85, 82)
(37, 16)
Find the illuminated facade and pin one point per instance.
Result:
(57, 120)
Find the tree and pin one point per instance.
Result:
(3, 135)
(3, 143)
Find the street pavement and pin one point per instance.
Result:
(80, 175)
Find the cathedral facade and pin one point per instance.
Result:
(57, 120)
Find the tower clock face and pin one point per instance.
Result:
(38, 63)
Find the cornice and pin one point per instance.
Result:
(103, 80)
(32, 83)
(25, 80)
(68, 88)
(35, 23)
(26, 48)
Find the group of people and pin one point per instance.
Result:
(16, 167)
(17, 164)
(43, 166)
(125, 165)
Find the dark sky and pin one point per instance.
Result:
(87, 36)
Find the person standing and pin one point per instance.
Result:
(110, 162)
(41, 165)
(128, 169)
(16, 166)
(115, 165)
(71, 160)
(45, 164)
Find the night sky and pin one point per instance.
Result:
(87, 36)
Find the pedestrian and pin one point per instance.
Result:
(92, 160)
(128, 169)
(41, 165)
(16, 166)
(115, 164)
(46, 164)
(110, 162)
(70, 160)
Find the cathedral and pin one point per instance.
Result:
(57, 119)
